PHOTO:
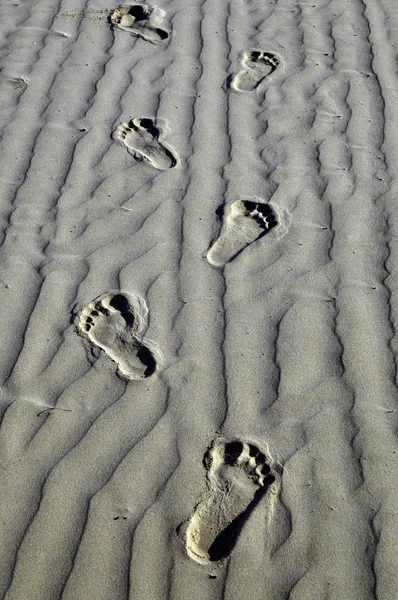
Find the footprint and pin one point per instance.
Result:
(257, 65)
(248, 220)
(144, 138)
(142, 21)
(238, 475)
(113, 323)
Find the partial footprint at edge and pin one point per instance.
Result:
(142, 21)
(238, 476)
(113, 323)
(257, 65)
(247, 221)
(145, 139)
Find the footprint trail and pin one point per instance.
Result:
(145, 139)
(113, 324)
(142, 21)
(247, 221)
(238, 475)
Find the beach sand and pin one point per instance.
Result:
(199, 289)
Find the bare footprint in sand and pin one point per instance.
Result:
(145, 140)
(238, 475)
(113, 323)
(257, 65)
(142, 21)
(247, 221)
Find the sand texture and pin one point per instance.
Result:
(199, 290)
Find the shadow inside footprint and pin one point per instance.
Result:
(171, 157)
(255, 56)
(147, 359)
(138, 12)
(149, 125)
(263, 215)
(226, 540)
(270, 59)
(120, 303)
(232, 452)
(162, 33)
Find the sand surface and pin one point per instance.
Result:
(199, 294)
